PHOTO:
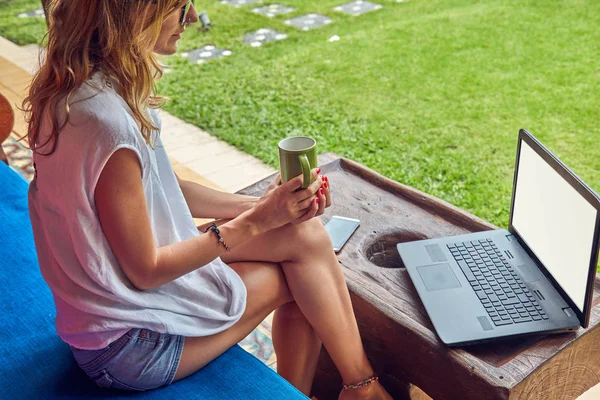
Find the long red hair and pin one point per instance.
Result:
(115, 37)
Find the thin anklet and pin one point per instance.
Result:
(362, 383)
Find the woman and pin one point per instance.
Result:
(142, 297)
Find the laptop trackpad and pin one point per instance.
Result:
(438, 277)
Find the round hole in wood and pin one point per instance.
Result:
(382, 251)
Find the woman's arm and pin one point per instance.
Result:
(121, 206)
(205, 202)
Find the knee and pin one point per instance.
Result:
(290, 312)
(311, 237)
(281, 292)
(267, 286)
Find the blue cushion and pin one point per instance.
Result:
(36, 364)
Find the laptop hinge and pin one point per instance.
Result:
(516, 237)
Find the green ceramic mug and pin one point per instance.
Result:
(297, 155)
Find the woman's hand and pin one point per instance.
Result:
(324, 195)
(288, 203)
(309, 202)
(276, 182)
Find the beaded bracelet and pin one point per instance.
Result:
(213, 227)
(362, 383)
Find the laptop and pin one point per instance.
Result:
(536, 277)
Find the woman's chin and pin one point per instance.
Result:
(167, 49)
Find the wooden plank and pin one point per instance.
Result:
(20, 125)
(187, 174)
(5, 89)
(14, 77)
(568, 374)
(13, 85)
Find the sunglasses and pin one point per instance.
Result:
(184, 11)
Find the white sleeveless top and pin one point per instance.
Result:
(95, 302)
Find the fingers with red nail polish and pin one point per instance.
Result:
(322, 201)
(327, 191)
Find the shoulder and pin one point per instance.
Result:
(97, 108)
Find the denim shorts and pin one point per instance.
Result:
(138, 360)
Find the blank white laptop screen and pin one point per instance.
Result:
(555, 221)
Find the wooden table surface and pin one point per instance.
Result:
(397, 333)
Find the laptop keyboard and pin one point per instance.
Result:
(505, 297)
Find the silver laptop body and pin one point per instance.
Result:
(536, 277)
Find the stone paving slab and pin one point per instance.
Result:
(184, 136)
(237, 177)
(208, 156)
(308, 22)
(188, 174)
(262, 36)
(214, 163)
(39, 13)
(25, 57)
(358, 7)
(206, 53)
(187, 154)
(239, 3)
(273, 9)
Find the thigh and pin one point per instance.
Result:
(283, 244)
(267, 289)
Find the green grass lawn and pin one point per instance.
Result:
(21, 30)
(430, 93)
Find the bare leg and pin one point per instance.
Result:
(297, 344)
(267, 290)
(317, 285)
(297, 347)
